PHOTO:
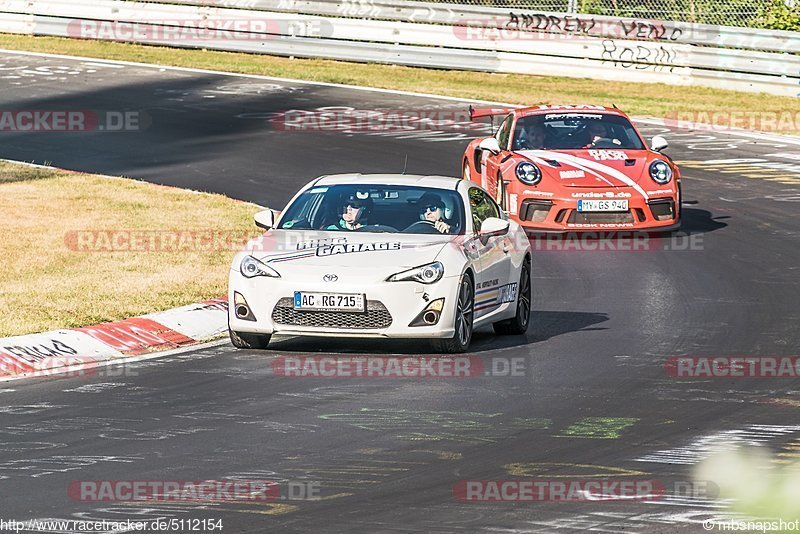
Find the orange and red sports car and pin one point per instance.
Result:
(575, 168)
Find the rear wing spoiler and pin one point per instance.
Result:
(477, 113)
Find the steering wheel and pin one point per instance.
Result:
(604, 142)
(423, 227)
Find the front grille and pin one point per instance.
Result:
(622, 217)
(376, 316)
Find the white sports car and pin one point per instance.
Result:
(396, 256)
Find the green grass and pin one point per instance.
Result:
(49, 280)
(656, 100)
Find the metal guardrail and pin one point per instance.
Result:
(437, 35)
(525, 20)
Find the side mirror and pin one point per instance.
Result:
(658, 144)
(490, 144)
(494, 226)
(265, 219)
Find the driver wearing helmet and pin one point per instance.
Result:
(530, 137)
(595, 132)
(354, 213)
(432, 210)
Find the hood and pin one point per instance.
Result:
(591, 168)
(349, 254)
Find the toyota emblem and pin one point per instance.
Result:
(330, 278)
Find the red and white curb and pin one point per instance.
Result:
(70, 349)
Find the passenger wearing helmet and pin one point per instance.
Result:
(530, 137)
(432, 210)
(354, 213)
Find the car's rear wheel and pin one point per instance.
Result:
(465, 308)
(244, 340)
(518, 325)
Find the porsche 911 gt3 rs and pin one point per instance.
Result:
(394, 256)
(575, 168)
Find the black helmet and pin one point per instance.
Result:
(432, 200)
(363, 205)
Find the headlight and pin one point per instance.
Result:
(251, 267)
(426, 274)
(528, 173)
(660, 171)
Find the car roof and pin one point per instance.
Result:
(581, 108)
(439, 182)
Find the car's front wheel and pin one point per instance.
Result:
(518, 325)
(465, 308)
(243, 340)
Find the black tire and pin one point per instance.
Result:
(518, 325)
(465, 312)
(242, 340)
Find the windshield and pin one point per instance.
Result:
(376, 208)
(575, 131)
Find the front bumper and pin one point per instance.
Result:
(391, 307)
(559, 214)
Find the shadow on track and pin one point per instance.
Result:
(544, 325)
(697, 221)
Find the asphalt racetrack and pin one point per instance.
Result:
(384, 454)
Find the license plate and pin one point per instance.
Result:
(347, 302)
(602, 205)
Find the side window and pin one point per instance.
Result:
(495, 209)
(482, 207)
(504, 132)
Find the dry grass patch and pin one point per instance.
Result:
(47, 215)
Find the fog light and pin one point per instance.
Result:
(430, 315)
(241, 308)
